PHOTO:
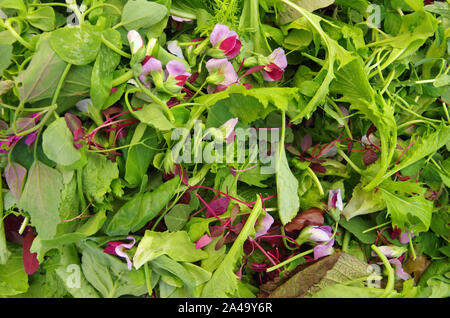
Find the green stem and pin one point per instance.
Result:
(123, 78)
(101, 5)
(270, 269)
(7, 24)
(411, 247)
(24, 225)
(148, 273)
(38, 126)
(391, 277)
(346, 241)
(157, 100)
(338, 110)
(349, 161)
(60, 83)
(376, 227)
(114, 48)
(316, 181)
(4, 253)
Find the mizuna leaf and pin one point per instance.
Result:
(41, 198)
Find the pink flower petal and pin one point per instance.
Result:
(323, 250)
(399, 269)
(175, 68)
(219, 33)
(335, 199)
(203, 241)
(278, 56)
(151, 65)
(263, 225)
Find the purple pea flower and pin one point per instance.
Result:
(221, 72)
(321, 234)
(226, 41)
(154, 68)
(394, 254)
(263, 225)
(118, 248)
(273, 71)
(404, 237)
(179, 19)
(175, 76)
(335, 199)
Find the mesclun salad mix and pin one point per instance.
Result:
(224, 148)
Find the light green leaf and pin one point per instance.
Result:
(78, 45)
(98, 174)
(363, 202)
(42, 18)
(6, 54)
(287, 188)
(13, 279)
(57, 143)
(142, 14)
(154, 116)
(42, 75)
(41, 198)
(177, 245)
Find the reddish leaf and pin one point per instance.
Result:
(219, 206)
(369, 157)
(12, 225)
(30, 261)
(316, 167)
(15, 177)
(306, 142)
(313, 216)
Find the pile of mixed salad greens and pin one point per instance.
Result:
(224, 148)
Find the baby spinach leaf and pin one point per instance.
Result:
(142, 14)
(107, 273)
(103, 71)
(42, 75)
(13, 279)
(57, 143)
(6, 53)
(41, 198)
(42, 18)
(139, 157)
(287, 188)
(78, 45)
(143, 207)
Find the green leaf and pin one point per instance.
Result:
(290, 14)
(98, 174)
(139, 157)
(179, 214)
(408, 212)
(142, 208)
(357, 225)
(224, 282)
(363, 202)
(41, 198)
(78, 45)
(6, 53)
(13, 279)
(103, 71)
(71, 274)
(154, 116)
(142, 14)
(42, 18)
(13, 4)
(57, 143)
(108, 274)
(42, 75)
(176, 245)
(164, 264)
(287, 188)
